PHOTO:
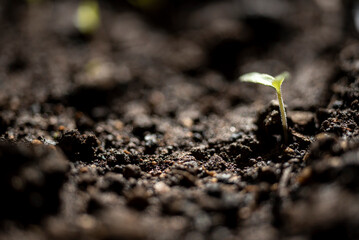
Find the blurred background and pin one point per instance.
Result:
(95, 54)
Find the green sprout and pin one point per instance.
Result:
(87, 18)
(276, 83)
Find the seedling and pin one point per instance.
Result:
(276, 83)
(87, 18)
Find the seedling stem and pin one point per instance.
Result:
(283, 116)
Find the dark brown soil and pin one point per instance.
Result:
(142, 131)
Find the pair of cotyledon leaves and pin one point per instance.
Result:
(265, 79)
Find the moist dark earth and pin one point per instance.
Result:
(141, 130)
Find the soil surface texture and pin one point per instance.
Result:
(141, 130)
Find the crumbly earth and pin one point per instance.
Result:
(141, 130)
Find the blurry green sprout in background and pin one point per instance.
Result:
(276, 83)
(87, 19)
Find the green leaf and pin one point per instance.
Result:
(265, 79)
(88, 16)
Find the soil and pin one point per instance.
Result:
(142, 131)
